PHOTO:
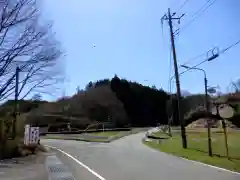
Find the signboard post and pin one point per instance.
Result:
(225, 112)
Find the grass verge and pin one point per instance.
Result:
(88, 137)
(106, 136)
(63, 137)
(197, 148)
(105, 133)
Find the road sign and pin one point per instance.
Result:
(225, 111)
(31, 135)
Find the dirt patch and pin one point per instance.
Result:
(202, 123)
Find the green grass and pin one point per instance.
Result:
(198, 141)
(105, 133)
(198, 149)
(76, 138)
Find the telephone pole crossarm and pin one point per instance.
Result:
(169, 16)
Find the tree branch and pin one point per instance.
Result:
(35, 52)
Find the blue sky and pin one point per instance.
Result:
(130, 41)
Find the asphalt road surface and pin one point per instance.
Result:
(129, 159)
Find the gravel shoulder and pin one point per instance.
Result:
(24, 168)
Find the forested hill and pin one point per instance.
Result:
(143, 105)
(115, 101)
(138, 105)
(109, 100)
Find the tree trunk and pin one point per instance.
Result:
(2, 142)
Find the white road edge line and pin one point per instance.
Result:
(215, 167)
(197, 162)
(80, 163)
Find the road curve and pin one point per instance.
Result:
(129, 159)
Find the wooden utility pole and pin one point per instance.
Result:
(15, 103)
(207, 110)
(169, 17)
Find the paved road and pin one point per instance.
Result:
(129, 159)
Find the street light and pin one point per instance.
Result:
(206, 104)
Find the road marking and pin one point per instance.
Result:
(80, 163)
(197, 162)
(222, 169)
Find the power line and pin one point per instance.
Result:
(214, 55)
(198, 13)
(229, 47)
(200, 55)
(173, 5)
(212, 50)
(184, 3)
(193, 59)
(193, 67)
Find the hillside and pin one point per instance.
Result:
(83, 108)
(24, 106)
(120, 102)
(117, 102)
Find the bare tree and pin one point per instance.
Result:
(26, 42)
(36, 97)
(235, 85)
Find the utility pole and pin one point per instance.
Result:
(207, 110)
(15, 103)
(169, 17)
